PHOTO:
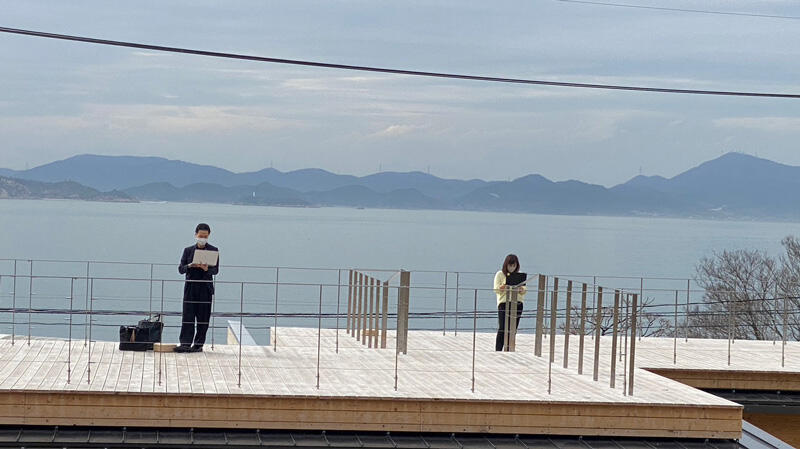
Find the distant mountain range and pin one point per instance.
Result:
(733, 185)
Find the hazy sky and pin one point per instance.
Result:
(60, 98)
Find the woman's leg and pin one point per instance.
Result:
(501, 327)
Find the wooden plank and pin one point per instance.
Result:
(72, 351)
(275, 404)
(23, 364)
(349, 324)
(171, 373)
(386, 418)
(58, 362)
(210, 411)
(540, 298)
(385, 316)
(736, 380)
(101, 366)
(206, 377)
(37, 367)
(184, 380)
(126, 371)
(359, 306)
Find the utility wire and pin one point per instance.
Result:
(389, 70)
(664, 8)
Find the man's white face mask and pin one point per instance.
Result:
(201, 241)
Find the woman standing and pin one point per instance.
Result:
(510, 265)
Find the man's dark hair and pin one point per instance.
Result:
(202, 227)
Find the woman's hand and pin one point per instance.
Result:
(503, 287)
(523, 289)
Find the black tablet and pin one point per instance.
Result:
(516, 278)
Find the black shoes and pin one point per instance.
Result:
(187, 348)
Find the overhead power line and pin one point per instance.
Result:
(664, 8)
(329, 65)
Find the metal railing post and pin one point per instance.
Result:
(444, 306)
(69, 332)
(241, 320)
(14, 306)
(553, 317)
(783, 340)
(91, 307)
(319, 332)
(163, 326)
(641, 295)
(338, 300)
(150, 307)
(730, 331)
(30, 300)
(275, 322)
(597, 330)
(552, 352)
(397, 325)
(213, 303)
(686, 324)
(457, 296)
(474, 333)
(594, 295)
(675, 333)
(86, 307)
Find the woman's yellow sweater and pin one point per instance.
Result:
(502, 295)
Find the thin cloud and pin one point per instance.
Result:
(766, 124)
(397, 130)
(160, 119)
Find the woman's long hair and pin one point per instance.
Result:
(511, 258)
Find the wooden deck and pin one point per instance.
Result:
(278, 390)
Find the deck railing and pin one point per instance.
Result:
(86, 300)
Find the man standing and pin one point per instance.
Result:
(197, 293)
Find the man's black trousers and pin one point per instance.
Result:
(195, 310)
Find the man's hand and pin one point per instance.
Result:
(194, 265)
(203, 267)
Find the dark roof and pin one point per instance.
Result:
(777, 402)
(74, 437)
(755, 438)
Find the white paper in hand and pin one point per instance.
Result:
(205, 257)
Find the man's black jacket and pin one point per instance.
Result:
(197, 274)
